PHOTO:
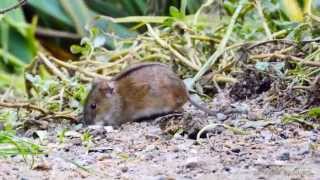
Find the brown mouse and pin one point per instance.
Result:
(141, 91)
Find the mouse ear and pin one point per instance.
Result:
(98, 80)
(101, 84)
(109, 91)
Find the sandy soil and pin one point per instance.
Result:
(144, 151)
(265, 148)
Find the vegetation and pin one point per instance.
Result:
(50, 50)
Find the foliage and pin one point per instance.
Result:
(12, 145)
(69, 95)
(185, 34)
(309, 119)
(86, 139)
(19, 45)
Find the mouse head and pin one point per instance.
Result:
(102, 104)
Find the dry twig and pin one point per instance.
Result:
(78, 69)
(45, 114)
(286, 57)
(23, 105)
(171, 49)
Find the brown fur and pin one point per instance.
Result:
(140, 91)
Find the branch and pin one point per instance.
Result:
(23, 105)
(20, 3)
(40, 31)
(76, 68)
(52, 67)
(45, 114)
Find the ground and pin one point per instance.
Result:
(264, 149)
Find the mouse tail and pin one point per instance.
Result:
(203, 108)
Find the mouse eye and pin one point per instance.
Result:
(93, 106)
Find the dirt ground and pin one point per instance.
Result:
(266, 149)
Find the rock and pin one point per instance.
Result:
(227, 169)
(175, 149)
(96, 130)
(108, 129)
(42, 166)
(254, 116)
(124, 169)
(72, 134)
(101, 150)
(192, 163)
(165, 178)
(148, 157)
(284, 156)
(236, 150)
(267, 135)
(221, 117)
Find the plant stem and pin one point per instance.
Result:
(52, 67)
(195, 19)
(134, 19)
(264, 23)
(171, 49)
(213, 58)
(12, 59)
(183, 7)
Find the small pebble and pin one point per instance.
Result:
(175, 149)
(124, 169)
(108, 129)
(284, 156)
(283, 135)
(221, 117)
(100, 150)
(236, 150)
(227, 169)
(192, 163)
(42, 166)
(165, 178)
(148, 157)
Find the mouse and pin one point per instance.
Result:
(141, 91)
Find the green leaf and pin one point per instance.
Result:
(76, 49)
(229, 7)
(129, 7)
(84, 50)
(174, 12)
(14, 81)
(12, 145)
(113, 8)
(17, 46)
(12, 60)
(141, 6)
(16, 14)
(193, 6)
(314, 112)
(4, 39)
(79, 14)
(20, 47)
(107, 28)
(52, 9)
(168, 22)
